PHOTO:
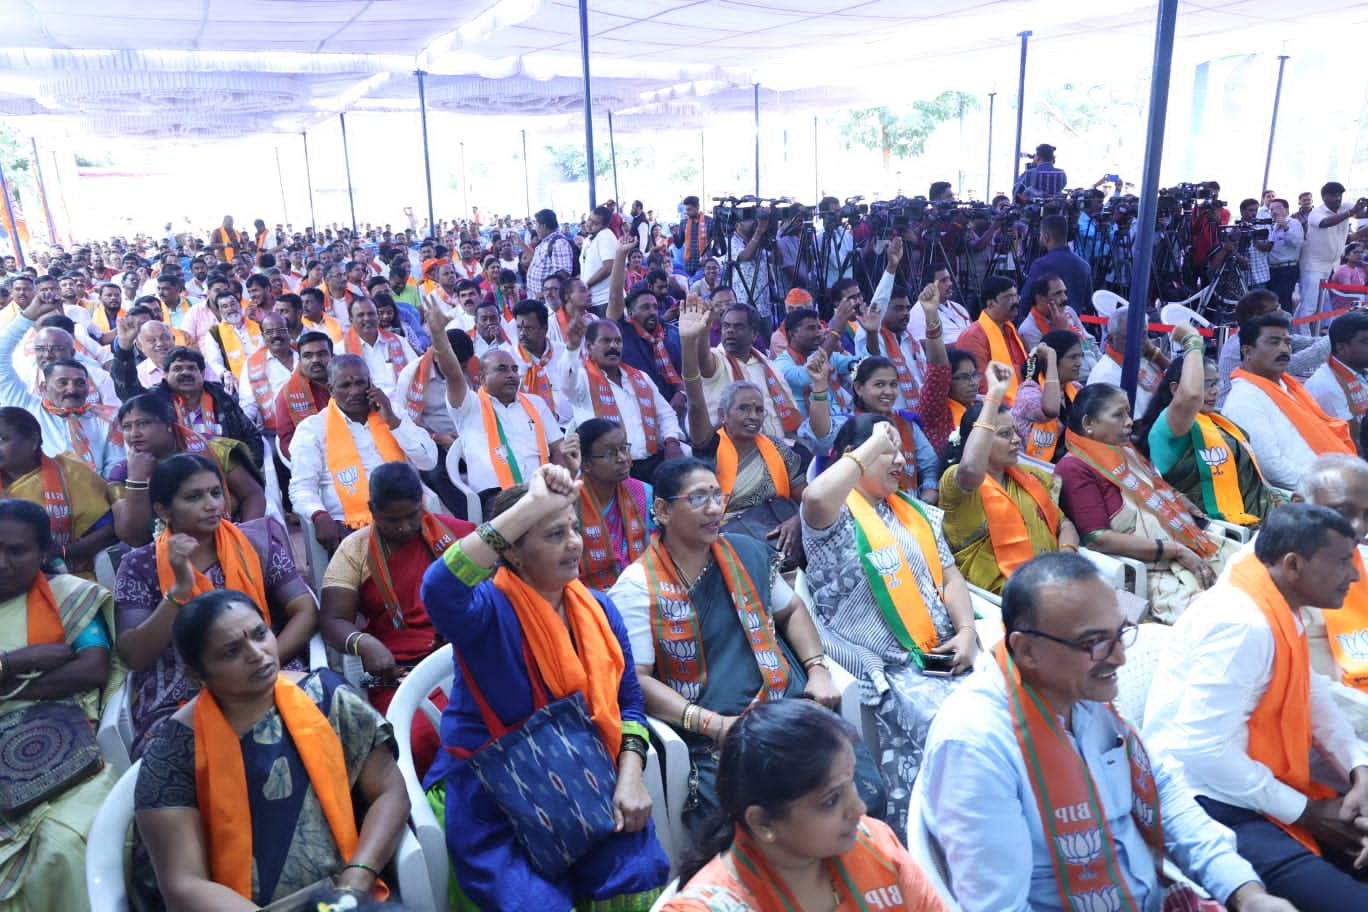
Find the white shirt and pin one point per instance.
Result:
(149, 374)
(277, 375)
(954, 320)
(1107, 370)
(1324, 246)
(575, 381)
(1030, 334)
(1282, 452)
(753, 370)
(433, 418)
(377, 357)
(518, 429)
(1329, 395)
(599, 249)
(101, 383)
(560, 404)
(1209, 681)
(449, 304)
(213, 350)
(311, 485)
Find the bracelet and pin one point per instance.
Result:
(365, 867)
(855, 459)
(493, 537)
(991, 428)
(634, 744)
(690, 710)
(1073, 548)
(697, 376)
(818, 659)
(136, 485)
(1158, 550)
(351, 638)
(706, 718)
(933, 334)
(1193, 344)
(995, 401)
(933, 328)
(819, 397)
(175, 602)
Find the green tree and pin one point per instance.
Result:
(571, 160)
(900, 134)
(15, 152)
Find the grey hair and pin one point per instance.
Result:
(1021, 596)
(731, 392)
(340, 361)
(1324, 470)
(1117, 321)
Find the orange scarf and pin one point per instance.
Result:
(1347, 630)
(299, 397)
(907, 383)
(56, 497)
(1355, 392)
(727, 463)
(599, 564)
(221, 781)
(1006, 527)
(639, 386)
(1043, 440)
(329, 326)
(536, 379)
(395, 356)
(259, 377)
(1321, 432)
(776, 387)
(957, 410)
(1217, 469)
(237, 559)
(863, 879)
(206, 412)
(591, 663)
(1280, 726)
(80, 442)
(1149, 376)
(501, 455)
(436, 536)
(887, 569)
(659, 352)
(1004, 347)
(344, 462)
(415, 397)
(695, 239)
(234, 355)
(44, 621)
(1149, 492)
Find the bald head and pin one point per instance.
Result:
(155, 341)
(1338, 481)
(53, 344)
(499, 374)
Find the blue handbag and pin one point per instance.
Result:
(551, 774)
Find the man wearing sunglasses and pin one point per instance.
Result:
(1030, 753)
(1235, 701)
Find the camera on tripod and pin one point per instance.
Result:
(895, 214)
(1200, 195)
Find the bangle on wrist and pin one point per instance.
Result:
(819, 397)
(990, 428)
(175, 602)
(493, 538)
(697, 376)
(364, 867)
(993, 399)
(1049, 380)
(855, 459)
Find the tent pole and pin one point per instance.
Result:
(588, 105)
(1021, 109)
(612, 152)
(465, 187)
(1273, 125)
(346, 159)
(527, 179)
(988, 180)
(757, 140)
(427, 158)
(280, 175)
(1138, 315)
(308, 178)
(816, 171)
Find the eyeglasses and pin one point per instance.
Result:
(624, 451)
(700, 499)
(1098, 649)
(965, 378)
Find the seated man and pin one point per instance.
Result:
(649, 344)
(334, 450)
(1287, 430)
(1340, 385)
(1050, 309)
(306, 392)
(993, 336)
(601, 386)
(1002, 775)
(262, 378)
(1108, 367)
(231, 341)
(806, 336)
(153, 340)
(48, 344)
(954, 316)
(1234, 700)
(737, 358)
(204, 406)
(315, 315)
(385, 353)
(539, 358)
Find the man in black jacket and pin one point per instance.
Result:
(205, 407)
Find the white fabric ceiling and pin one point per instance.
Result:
(201, 69)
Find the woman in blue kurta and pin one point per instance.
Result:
(508, 599)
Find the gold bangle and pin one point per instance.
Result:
(697, 376)
(1073, 548)
(986, 426)
(855, 459)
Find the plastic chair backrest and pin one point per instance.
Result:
(104, 869)
(1133, 678)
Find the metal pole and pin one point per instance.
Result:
(588, 105)
(1021, 108)
(308, 178)
(280, 174)
(757, 140)
(988, 180)
(816, 173)
(612, 153)
(42, 194)
(1273, 125)
(527, 179)
(1138, 315)
(427, 158)
(465, 187)
(346, 159)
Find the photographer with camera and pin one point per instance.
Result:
(751, 259)
(1286, 237)
(1043, 180)
(1327, 227)
(1209, 215)
(1093, 233)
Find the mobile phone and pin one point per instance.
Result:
(936, 665)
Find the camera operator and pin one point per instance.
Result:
(834, 240)
(1257, 247)
(940, 200)
(1043, 180)
(1092, 242)
(1207, 220)
(751, 261)
(796, 274)
(1286, 236)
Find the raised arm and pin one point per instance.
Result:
(1191, 391)
(823, 499)
(695, 317)
(1049, 389)
(617, 290)
(445, 355)
(973, 465)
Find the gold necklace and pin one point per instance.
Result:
(689, 582)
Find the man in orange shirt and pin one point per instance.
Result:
(993, 337)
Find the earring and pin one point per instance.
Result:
(769, 836)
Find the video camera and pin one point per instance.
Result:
(1200, 195)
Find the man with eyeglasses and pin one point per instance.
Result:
(1029, 754)
(1235, 701)
(265, 373)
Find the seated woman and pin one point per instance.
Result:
(865, 537)
(235, 811)
(151, 434)
(762, 477)
(792, 831)
(531, 634)
(1042, 406)
(1121, 505)
(614, 508)
(1194, 446)
(876, 390)
(54, 650)
(198, 550)
(998, 515)
(951, 382)
(73, 494)
(702, 609)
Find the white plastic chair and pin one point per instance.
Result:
(1240, 534)
(987, 620)
(115, 732)
(453, 470)
(316, 554)
(1122, 572)
(436, 673)
(1175, 313)
(104, 870)
(284, 460)
(670, 890)
(675, 773)
(275, 504)
(1107, 303)
(1133, 678)
(921, 845)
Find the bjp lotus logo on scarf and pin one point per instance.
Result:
(1354, 645)
(681, 651)
(1107, 899)
(348, 478)
(1144, 811)
(1042, 438)
(1215, 457)
(885, 562)
(1080, 848)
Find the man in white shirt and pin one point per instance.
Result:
(445, 294)
(323, 472)
(596, 257)
(953, 315)
(384, 352)
(1108, 367)
(604, 387)
(1327, 226)
(491, 332)
(895, 340)
(231, 341)
(266, 372)
(1340, 385)
(50, 344)
(1235, 701)
(539, 359)
(737, 358)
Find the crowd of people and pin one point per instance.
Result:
(627, 489)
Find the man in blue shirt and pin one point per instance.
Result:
(1044, 180)
(1065, 640)
(1059, 260)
